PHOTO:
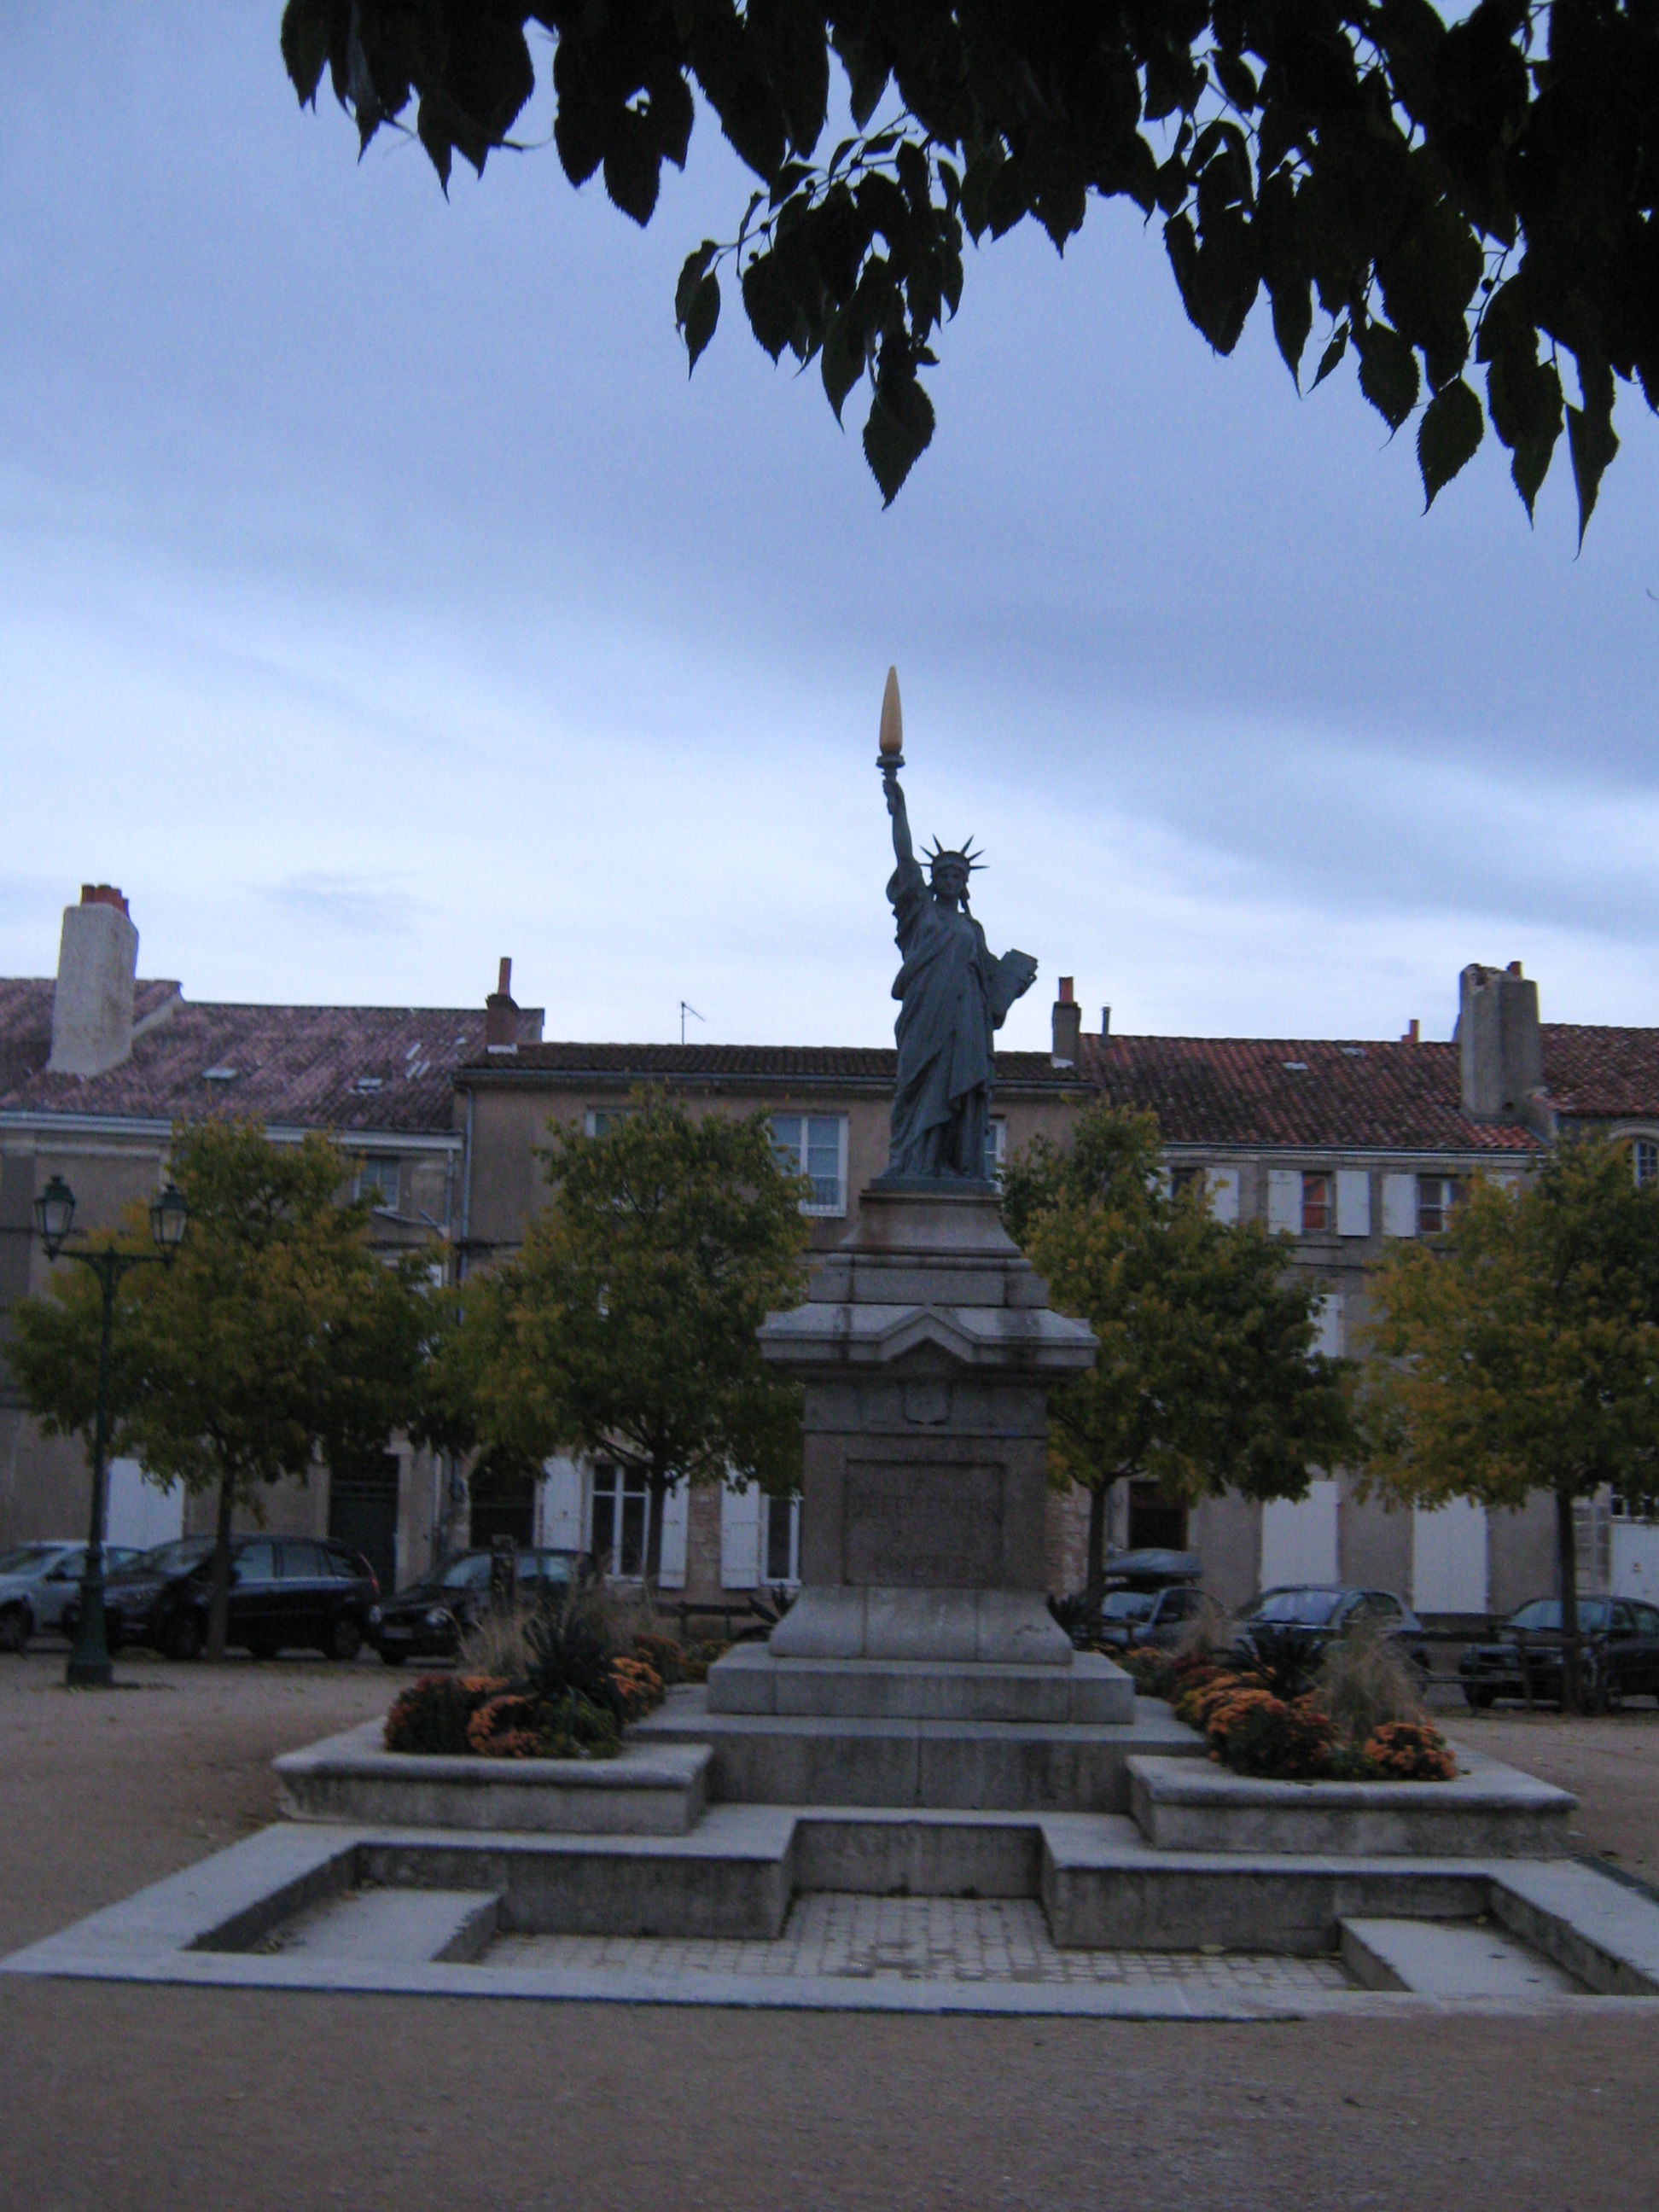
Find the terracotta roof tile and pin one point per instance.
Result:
(333, 1068)
(1354, 1095)
(1601, 1071)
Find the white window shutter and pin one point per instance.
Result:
(674, 1516)
(1328, 1325)
(1448, 1557)
(1298, 1538)
(1354, 1202)
(1400, 1206)
(1224, 1193)
(1285, 1199)
(1164, 1179)
(740, 1536)
(562, 1504)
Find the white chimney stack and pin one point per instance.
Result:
(92, 1006)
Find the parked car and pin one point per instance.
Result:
(1619, 1643)
(1321, 1612)
(40, 1582)
(428, 1620)
(285, 1591)
(1139, 1617)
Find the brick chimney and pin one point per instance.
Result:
(1067, 1025)
(1500, 1045)
(502, 1013)
(92, 1004)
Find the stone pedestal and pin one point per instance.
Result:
(927, 1348)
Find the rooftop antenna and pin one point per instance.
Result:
(685, 1010)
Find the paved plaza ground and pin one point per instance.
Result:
(125, 2096)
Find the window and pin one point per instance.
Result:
(307, 1563)
(601, 1121)
(1318, 1212)
(1436, 1198)
(380, 1181)
(815, 1146)
(1644, 1158)
(996, 1150)
(256, 1563)
(781, 1534)
(1183, 1179)
(619, 1519)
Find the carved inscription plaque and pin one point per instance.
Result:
(922, 1528)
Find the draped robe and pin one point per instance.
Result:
(952, 997)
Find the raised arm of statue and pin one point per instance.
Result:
(903, 851)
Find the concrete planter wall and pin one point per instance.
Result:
(1490, 1811)
(649, 1790)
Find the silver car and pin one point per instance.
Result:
(37, 1581)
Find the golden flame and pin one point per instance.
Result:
(892, 719)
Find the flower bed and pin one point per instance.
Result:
(1252, 1731)
(572, 1699)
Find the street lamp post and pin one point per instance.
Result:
(54, 1216)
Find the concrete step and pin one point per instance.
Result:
(777, 1759)
(405, 1927)
(1449, 1959)
(1086, 1688)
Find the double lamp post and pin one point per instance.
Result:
(54, 1217)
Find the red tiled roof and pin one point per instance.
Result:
(1357, 1095)
(807, 1064)
(1598, 1071)
(331, 1067)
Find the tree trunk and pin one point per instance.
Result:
(1094, 1580)
(1566, 1575)
(219, 1598)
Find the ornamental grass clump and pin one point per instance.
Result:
(1364, 1681)
(569, 1694)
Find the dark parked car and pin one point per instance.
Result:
(428, 1620)
(285, 1591)
(1130, 1617)
(1621, 1647)
(1318, 1612)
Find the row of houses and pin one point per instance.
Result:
(1345, 1143)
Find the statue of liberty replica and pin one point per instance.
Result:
(926, 1348)
(953, 997)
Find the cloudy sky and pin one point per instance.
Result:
(377, 597)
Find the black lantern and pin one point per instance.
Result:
(169, 1218)
(54, 1215)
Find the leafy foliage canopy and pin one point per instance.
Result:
(1465, 202)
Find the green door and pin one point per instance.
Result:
(363, 1512)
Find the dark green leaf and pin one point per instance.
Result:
(306, 24)
(698, 325)
(1333, 353)
(1235, 79)
(632, 169)
(1388, 372)
(773, 308)
(692, 271)
(897, 429)
(842, 362)
(1451, 429)
(1592, 443)
(1292, 306)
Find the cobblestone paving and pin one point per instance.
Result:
(916, 1939)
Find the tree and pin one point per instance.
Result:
(626, 1322)
(1207, 1379)
(1477, 190)
(1520, 1353)
(277, 1337)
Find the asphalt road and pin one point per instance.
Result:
(118, 2097)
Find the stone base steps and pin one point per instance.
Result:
(1449, 1959)
(1032, 1767)
(406, 1926)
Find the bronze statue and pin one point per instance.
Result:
(953, 997)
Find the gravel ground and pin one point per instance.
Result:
(132, 2099)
